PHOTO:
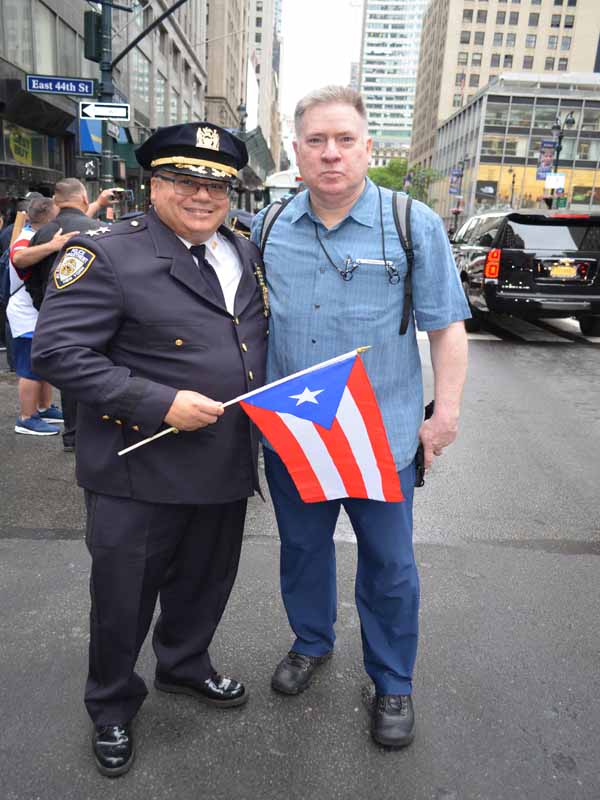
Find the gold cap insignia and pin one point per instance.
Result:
(207, 138)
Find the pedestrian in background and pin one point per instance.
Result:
(71, 199)
(317, 313)
(37, 413)
(156, 322)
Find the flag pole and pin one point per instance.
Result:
(241, 397)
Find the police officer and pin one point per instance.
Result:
(155, 323)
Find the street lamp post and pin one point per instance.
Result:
(558, 131)
(512, 185)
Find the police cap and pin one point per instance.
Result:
(194, 148)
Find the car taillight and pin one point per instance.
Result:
(492, 263)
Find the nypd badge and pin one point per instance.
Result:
(75, 262)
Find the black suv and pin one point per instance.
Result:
(531, 264)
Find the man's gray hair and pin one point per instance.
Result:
(40, 209)
(329, 94)
(67, 189)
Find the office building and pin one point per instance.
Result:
(466, 44)
(388, 68)
(488, 154)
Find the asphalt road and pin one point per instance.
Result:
(507, 684)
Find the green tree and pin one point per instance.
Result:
(392, 175)
(397, 176)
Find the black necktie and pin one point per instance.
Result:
(199, 250)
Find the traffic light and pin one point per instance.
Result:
(88, 169)
(92, 36)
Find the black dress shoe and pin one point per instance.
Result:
(393, 720)
(294, 674)
(114, 750)
(216, 691)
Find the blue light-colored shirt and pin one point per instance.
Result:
(315, 315)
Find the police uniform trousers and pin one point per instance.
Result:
(387, 581)
(187, 556)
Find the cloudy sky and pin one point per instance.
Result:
(321, 38)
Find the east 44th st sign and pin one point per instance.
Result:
(114, 111)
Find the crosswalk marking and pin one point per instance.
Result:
(550, 331)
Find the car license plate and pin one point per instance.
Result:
(563, 271)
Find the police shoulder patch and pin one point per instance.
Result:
(73, 265)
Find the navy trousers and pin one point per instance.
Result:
(387, 581)
(187, 556)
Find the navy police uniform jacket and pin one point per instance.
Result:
(127, 321)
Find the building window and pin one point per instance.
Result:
(549, 63)
(513, 18)
(558, 2)
(465, 37)
(495, 60)
(555, 21)
(468, 15)
(67, 49)
(474, 79)
(565, 43)
(563, 64)
(463, 57)
(460, 78)
(476, 59)
(498, 38)
(527, 62)
(45, 40)
(258, 38)
(534, 19)
(160, 94)
(508, 61)
(175, 59)
(569, 20)
(457, 101)
(174, 116)
(511, 39)
(552, 42)
(571, 2)
(479, 37)
(482, 16)
(530, 40)
(140, 75)
(162, 41)
(500, 17)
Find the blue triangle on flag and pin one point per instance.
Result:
(314, 396)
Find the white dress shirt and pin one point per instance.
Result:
(221, 255)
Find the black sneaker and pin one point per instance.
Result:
(393, 720)
(294, 673)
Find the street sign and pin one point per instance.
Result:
(113, 130)
(87, 168)
(115, 111)
(52, 84)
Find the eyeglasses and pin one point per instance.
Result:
(186, 187)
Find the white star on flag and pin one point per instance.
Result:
(307, 396)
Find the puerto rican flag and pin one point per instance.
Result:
(326, 426)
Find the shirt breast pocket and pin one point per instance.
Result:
(374, 291)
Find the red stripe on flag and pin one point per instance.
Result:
(288, 449)
(340, 451)
(364, 397)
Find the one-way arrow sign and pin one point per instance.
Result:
(118, 111)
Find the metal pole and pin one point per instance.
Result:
(106, 96)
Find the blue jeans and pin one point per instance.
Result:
(387, 581)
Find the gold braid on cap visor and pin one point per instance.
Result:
(195, 164)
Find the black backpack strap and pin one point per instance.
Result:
(273, 211)
(401, 204)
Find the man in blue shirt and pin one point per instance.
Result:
(344, 218)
